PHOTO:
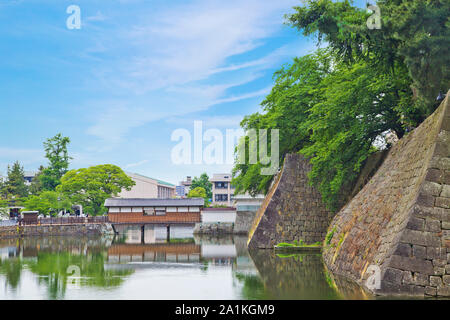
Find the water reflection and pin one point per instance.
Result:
(151, 265)
(292, 276)
(53, 260)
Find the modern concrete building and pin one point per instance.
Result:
(181, 191)
(146, 187)
(245, 202)
(222, 190)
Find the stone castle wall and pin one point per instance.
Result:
(400, 221)
(292, 210)
(244, 220)
(54, 230)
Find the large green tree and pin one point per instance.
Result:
(330, 111)
(15, 183)
(48, 202)
(285, 108)
(203, 181)
(414, 33)
(58, 158)
(91, 186)
(197, 192)
(36, 183)
(332, 105)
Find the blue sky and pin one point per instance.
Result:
(135, 71)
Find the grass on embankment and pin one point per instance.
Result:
(298, 246)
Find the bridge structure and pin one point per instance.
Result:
(154, 211)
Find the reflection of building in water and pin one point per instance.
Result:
(8, 252)
(153, 233)
(157, 252)
(214, 251)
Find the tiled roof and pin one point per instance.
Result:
(153, 202)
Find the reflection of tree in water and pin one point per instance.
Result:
(53, 270)
(253, 287)
(298, 276)
(50, 259)
(11, 269)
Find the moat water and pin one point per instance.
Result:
(185, 266)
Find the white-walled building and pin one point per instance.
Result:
(222, 190)
(147, 187)
(221, 215)
(245, 202)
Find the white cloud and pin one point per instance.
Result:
(225, 122)
(137, 164)
(174, 52)
(29, 158)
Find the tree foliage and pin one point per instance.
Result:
(203, 181)
(91, 186)
(198, 192)
(285, 108)
(36, 184)
(48, 202)
(334, 104)
(15, 183)
(58, 157)
(414, 33)
(330, 111)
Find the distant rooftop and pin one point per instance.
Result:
(157, 180)
(30, 173)
(153, 202)
(221, 177)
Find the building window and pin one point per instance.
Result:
(221, 197)
(114, 209)
(149, 211)
(125, 209)
(160, 212)
(221, 185)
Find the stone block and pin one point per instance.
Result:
(420, 279)
(415, 223)
(446, 280)
(420, 238)
(411, 264)
(424, 212)
(445, 191)
(425, 200)
(403, 249)
(434, 175)
(443, 291)
(431, 188)
(419, 251)
(442, 163)
(433, 253)
(393, 276)
(430, 291)
(439, 263)
(435, 281)
(407, 277)
(443, 202)
(432, 225)
(439, 271)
